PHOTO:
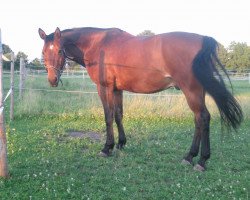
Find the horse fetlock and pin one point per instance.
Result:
(189, 159)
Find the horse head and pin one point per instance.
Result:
(53, 55)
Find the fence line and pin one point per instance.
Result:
(79, 75)
(82, 92)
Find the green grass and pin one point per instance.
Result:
(46, 163)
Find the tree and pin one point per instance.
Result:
(7, 52)
(239, 56)
(19, 55)
(35, 64)
(223, 54)
(6, 49)
(146, 33)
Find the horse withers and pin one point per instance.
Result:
(117, 61)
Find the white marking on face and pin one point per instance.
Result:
(51, 46)
(167, 76)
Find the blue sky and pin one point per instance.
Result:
(226, 21)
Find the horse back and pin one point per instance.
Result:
(148, 64)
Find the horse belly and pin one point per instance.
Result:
(144, 84)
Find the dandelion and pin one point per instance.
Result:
(124, 188)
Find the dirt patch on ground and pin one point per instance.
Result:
(94, 136)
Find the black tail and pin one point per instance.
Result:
(205, 70)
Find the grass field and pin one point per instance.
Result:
(47, 162)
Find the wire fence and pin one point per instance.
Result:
(83, 75)
(76, 77)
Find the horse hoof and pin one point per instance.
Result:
(199, 168)
(104, 155)
(186, 162)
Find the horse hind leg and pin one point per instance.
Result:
(202, 121)
(201, 134)
(205, 141)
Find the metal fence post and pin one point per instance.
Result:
(12, 87)
(21, 78)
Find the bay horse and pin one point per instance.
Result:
(117, 61)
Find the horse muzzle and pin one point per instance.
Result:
(53, 81)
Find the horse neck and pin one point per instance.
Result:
(101, 37)
(89, 40)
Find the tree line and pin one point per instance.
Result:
(235, 57)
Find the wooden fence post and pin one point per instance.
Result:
(12, 87)
(3, 143)
(21, 78)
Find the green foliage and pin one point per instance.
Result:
(6, 49)
(7, 52)
(19, 55)
(239, 56)
(146, 33)
(223, 54)
(35, 64)
(236, 56)
(73, 65)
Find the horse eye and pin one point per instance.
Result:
(60, 52)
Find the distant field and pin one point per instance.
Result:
(47, 162)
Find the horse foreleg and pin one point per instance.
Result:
(118, 97)
(107, 97)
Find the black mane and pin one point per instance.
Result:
(50, 37)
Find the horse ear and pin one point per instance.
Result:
(57, 33)
(42, 33)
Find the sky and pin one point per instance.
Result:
(225, 20)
